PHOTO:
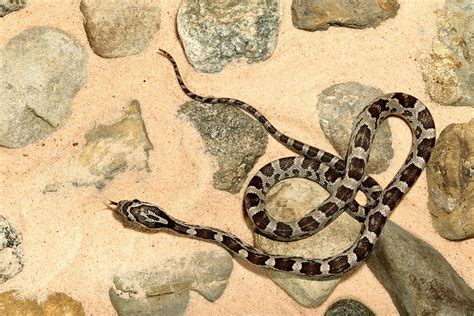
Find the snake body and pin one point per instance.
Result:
(342, 178)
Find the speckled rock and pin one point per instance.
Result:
(448, 73)
(120, 28)
(317, 15)
(111, 149)
(55, 304)
(292, 199)
(164, 289)
(11, 251)
(233, 138)
(41, 70)
(214, 32)
(338, 107)
(418, 278)
(450, 175)
(8, 6)
(348, 308)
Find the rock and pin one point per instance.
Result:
(312, 15)
(348, 307)
(233, 138)
(120, 28)
(165, 288)
(8, 6)
(55, 304)
(214, 32)
(42, 70)
(418, 278)
(450, 175)
(292, 199)
(111, 149)
(448, 73)
(338, 107)
(11, 251)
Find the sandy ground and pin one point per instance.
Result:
(73, 245)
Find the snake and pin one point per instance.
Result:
(342, 178)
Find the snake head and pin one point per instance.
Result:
(143, 214)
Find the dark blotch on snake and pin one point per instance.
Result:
(356, 170)
(205, 233)
(311, 268)
(329, 209)
(257, 258)
(284, 138)
(410, 174)
(405, 99)
(310, 163)
(331, 175)
(271, 129)
(267, 170)
(363, 248)
(284, 264)
(312, 152)
(297, 145)
(283, 230)
(262, 119)
(286, 163)
(376, 108)
(326, 157)
(425, 147)
(418, 132)
(256, 182)
(425, 119)
(251, 109)
(376, 223)
(261, 219)
(362, 138)
(392, 197)
(343, 193)
(338, 264)
(231, 244)
(251, 200)
(307, 224)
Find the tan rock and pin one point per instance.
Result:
(55, 304)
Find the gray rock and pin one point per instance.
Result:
(233, 138)
(348, 307)
(450, 175)
(120, 28)
(318, 15)
(41, 70)
(111, 149)
(214, 32)
(8, 6)
(418, 278)
(449, 73)
(165, 289)
(292, 199)
(338, 107)
(11, 251)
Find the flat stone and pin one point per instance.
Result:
(449, 73)
(318, 15)
(120, 28)
(291, 199)
(233, 138)
(55, 304)
(348, 307)
(450, 175)
(41, 70)
(214, 32)
(9, 6)
(165, 288)
(418, 278)
(11, 251)
(338, 108)
(111, 149)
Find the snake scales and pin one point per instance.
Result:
(342, 178)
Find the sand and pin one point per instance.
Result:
(74, 245)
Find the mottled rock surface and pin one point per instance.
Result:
(233, 138)
(8, 6)
(449, 73)
(120, 28)
(290, 200)
(165, 289)
(11, 251)
(418, 278)
(55, 304)
(450, 175)
(41, 70)
(214, 32)
(338, 107)
(317, 15)
(111, 149)
(348, 308)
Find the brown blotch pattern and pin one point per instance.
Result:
(251, 200)
(376, 223)
(392, 197)
(297, 145)
(363, 248)
(260, 219)
(362, 138)
(338, 264)
(425, 147)
(284, 264)
(286, 163)
(356, 170)
(329, 209)
(343, 193)
(231, 244)
(311, 268)
(283, 230)
(308, 224)
(410, 174)
(258, 259)
(205, 233)
(267, 170)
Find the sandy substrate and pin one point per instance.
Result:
(73, 245)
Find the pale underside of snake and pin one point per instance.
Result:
(342, 178)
